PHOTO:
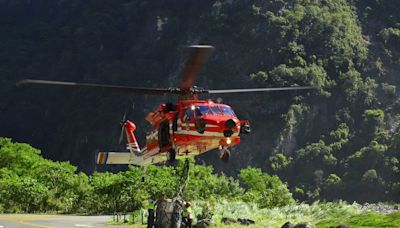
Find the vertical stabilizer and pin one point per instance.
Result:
(132, 145)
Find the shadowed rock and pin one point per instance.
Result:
(245, 221)
(202, 223)
(341, 226)
(228, 221)
(287, 225)
(304, 225)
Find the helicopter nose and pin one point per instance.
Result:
(230, 124)
(228, 133)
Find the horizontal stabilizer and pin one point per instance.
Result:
(113, 158)
(126, 158)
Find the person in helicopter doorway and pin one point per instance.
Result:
(187, 215)
(150, 217)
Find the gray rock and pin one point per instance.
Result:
(228, 221)
(287, 225)
(378, 207)
(245, 221)
(304, 225)
(342, 226)
(202, 223)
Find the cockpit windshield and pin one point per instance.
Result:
(203, 110)
(209, 110)
(215, 110)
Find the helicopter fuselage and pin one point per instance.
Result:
(192, 127)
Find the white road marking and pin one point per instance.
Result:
(82, 225)
(1, 226)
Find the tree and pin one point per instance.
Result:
(263, 189)
(22, 193)
(332, 187)
(279, 162)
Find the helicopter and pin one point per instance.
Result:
(190, 127)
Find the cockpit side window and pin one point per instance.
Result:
(188, 114)
(226, 110)
(197, 112)
(215, 110)
(204, 110)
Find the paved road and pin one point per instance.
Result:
(55, 221)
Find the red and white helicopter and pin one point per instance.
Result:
(188, 128)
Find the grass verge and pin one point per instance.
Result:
(324, 215)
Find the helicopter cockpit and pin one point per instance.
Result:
(202, 110)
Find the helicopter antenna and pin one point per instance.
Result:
(122, 123)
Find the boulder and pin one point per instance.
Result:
(246, 221)
(203, 223)
(304, 225)
(228, 221)
(342, 226)
(287, 225)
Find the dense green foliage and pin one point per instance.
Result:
(30, 183)
(265, 190)
(339, 142)
(343, 143)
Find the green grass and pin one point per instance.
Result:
(276, 217)
(367, 219)
(323, 215)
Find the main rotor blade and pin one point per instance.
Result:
(121, 135)
(258, 89)
(197, 57)
(122, 122)
(108, 88)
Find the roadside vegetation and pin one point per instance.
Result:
(321, 214)
(29, 183)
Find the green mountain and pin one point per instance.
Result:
(338, 142)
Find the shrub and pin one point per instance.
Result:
(263, 189)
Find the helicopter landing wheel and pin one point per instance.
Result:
(225, 155)
(171, 156)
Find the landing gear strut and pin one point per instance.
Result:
(225, 155)
(144, 173)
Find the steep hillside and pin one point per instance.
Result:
(337, 142)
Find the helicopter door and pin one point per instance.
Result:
(186, 118)
(163, 134)
(175, 122)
